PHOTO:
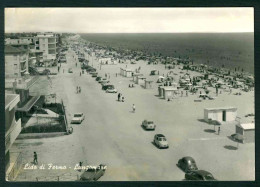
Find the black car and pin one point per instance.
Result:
(106, 86)
(187, 164)
(200, 175)
(98, 78)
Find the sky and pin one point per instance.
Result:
(129, 20)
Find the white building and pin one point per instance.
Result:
(12, 130)
(221, 114)
(46, 43)
(247, 130)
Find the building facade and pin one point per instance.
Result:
(12, 127)
(16, 61)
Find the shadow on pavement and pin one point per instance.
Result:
(202, 120)
(209, 130)
(230, 147)
(157, 95)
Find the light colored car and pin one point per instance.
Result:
(111, 90)
(160, 141)
(93, 174)
(148, 125)
(78, 118)
(70, 70)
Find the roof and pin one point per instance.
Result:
(221, 108)
(247, 126)
(11, 49)
(169, 88)
(160, 135)
(29, 104)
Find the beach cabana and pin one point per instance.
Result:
(226, 114)
(148, 84)
(168, 92)
(141, 80)
(128, 73)
(247, 130)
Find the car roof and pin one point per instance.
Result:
(160, 135)
(78, 113)
(188, 158)
(202, 172)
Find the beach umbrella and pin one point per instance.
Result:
(215, 123)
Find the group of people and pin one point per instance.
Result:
(131, 85)
(120, 97)
(78, 89)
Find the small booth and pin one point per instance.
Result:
(247, 130)
(141, 80)
(135, 75)
(168, 92)
(220, 114)
(148, 84)
(128, 73)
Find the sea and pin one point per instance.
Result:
(229, 50)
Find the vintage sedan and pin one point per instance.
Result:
(93, 174)
(148, 125)
(78, 118)
(160, 141)
(200, 175)
(187, 164)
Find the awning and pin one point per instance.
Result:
(29, 104)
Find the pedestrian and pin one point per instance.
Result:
(77, 89)
(80, 73)
(181, 93)
(118, 97)
(35, 159)
(187, 93)
(133, 108)
(218, 130)
(129, 86)
(123, 99)
(106, 75)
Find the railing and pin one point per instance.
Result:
(15, 169)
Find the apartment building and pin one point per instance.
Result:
(16, 61)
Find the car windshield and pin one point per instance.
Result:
(191, 161)
(77, 115)
(162, 139)
(111, 87)
(209, 177)
(150, 122)
(91, 170)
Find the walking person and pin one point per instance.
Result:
(77, 89)
(35, 159)
(218, 130)
(118, 96)
(187, 93)
(133, 108)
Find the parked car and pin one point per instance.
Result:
(78, 118)
(102, 79)
(199, 175)
(148, 125)
(98, 78)
(45, 72)
(160, 141)
(111, 90)
(106, 86)
(187, 164)
(93, 174)
(94, 74)
(70, 70)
